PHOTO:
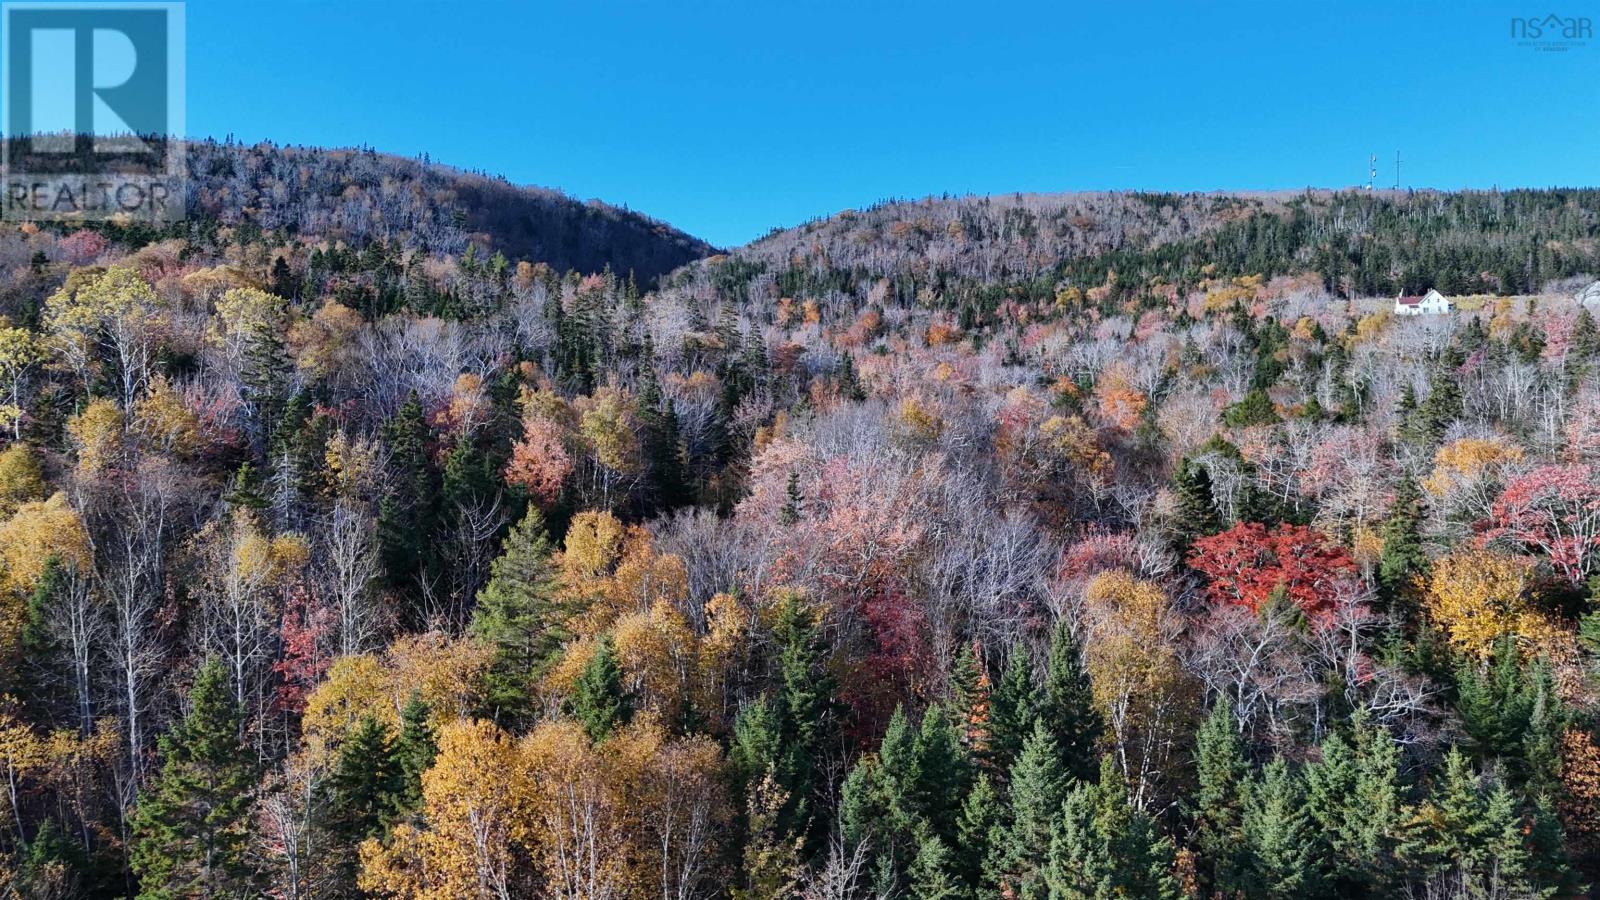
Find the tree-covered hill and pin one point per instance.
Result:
(357, 196)
(971, 253)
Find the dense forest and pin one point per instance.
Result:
(381, 531)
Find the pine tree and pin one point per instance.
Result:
(598, 700)
(191, 827)
(518, 615)
(1067, 705)
(1281, 842)
(1012, 710)
(1221, 770)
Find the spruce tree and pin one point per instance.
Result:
(789, 514)
(1355, 796)
(1013, 708)
(982, 816)
(1038, 786)
(805, 705)
(1280, 837)
(408, 515)
(1403, 557)
(414, 751)
(365, 790)
(942, 774)
(1196, 515)
(191, 827)
(1067, 705)
(969, 701)
(931, 875)
(518, 615)
(757, 744)
(598, 700)
(1100, 848)
(1221, 771)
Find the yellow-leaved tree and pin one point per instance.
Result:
(1476, 597)
(475, 820)
(1139, 684)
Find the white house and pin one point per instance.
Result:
(1432, 303)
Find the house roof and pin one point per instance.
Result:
(1408, 301)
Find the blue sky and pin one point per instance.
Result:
(729, 118)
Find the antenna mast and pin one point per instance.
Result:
(1397, 170)
(1372, 171)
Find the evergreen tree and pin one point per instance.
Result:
(805, 706)
(408, 515)
(191, 827)
(1583, 343)
(1221, 771)
(969, 701)
(282, 281)
(598, 700)
(518, 615)
(1254, 409)
(1403, 556)
(757, 744)
(245, 491)
(1012, 710)
(1038, 786)
(468, 477)
(1067, 705)
(1196, 515)
(1355, 796)
(661, 439)
(942, 774)
(1505, 707)
(365, 789)
(414, 751)
(789, 514)
(1279, 835)
(850, 387)
(982, 816)
(1102, 849)
(931, 875)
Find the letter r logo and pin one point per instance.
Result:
(92, 77)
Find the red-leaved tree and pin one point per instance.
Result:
(1246, 563)
(1556, 511)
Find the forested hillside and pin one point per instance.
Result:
(1076, 547)
(361, 197)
